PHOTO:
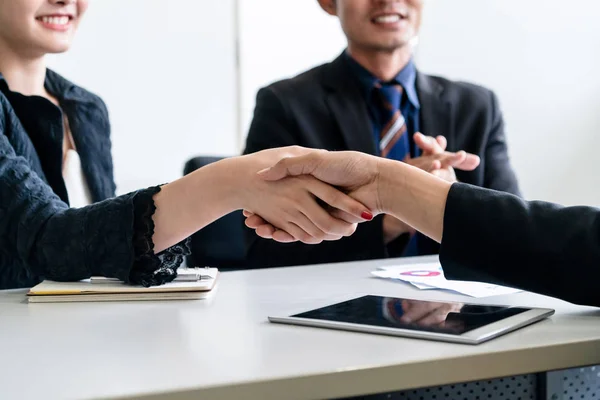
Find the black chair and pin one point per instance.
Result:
(220, 244)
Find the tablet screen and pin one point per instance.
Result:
(391, 312)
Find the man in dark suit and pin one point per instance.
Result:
(373, 99)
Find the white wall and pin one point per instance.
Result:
(279, 39)
(542, 58)
(166, 70)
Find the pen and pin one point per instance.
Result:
(179, 278)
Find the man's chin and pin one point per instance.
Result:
(390, 47)
(390, 44)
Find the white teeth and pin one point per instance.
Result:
(388, 19)
(56, 20)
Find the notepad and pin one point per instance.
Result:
(87, 290)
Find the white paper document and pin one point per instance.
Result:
(431, 276)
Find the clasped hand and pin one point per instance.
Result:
(298, 208)
(357, 174)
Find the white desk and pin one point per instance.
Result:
(224, 348)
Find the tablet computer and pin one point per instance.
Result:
(446, 321)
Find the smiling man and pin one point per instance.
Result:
(373, 99)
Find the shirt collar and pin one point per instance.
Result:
(58, 86)
(407, 77)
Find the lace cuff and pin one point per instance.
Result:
(151, 269)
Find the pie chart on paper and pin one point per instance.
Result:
(426, 276)
(421, 273)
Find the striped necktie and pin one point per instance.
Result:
(393, 140)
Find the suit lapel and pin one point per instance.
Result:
(435, 112)
(348, 107)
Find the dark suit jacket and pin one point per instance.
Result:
(537, 246)
(324, 108)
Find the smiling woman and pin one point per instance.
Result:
(59, 218)
(41, 26)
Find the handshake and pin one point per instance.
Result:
(311, 195)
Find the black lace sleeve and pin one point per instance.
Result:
(151, 269)
(41, 237)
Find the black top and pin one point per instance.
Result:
(40, 236)
(537, 246)
(325, 108)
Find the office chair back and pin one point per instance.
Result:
(220, 244)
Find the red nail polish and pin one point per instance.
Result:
(366, 215)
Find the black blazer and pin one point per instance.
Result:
(536, 246)
(40, 236)
(324, 108)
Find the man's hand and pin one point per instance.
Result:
(436, 160)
